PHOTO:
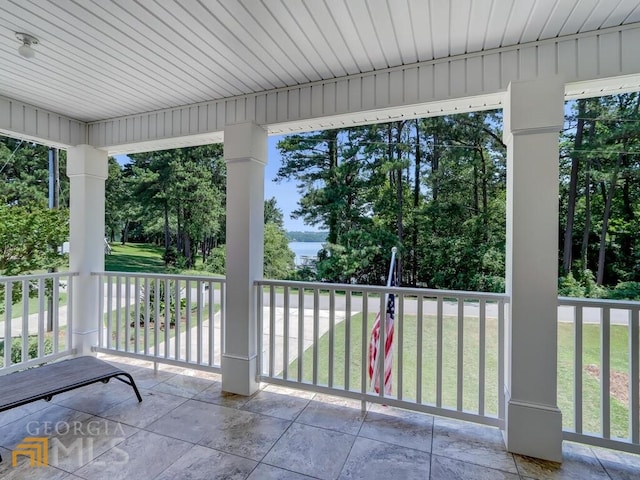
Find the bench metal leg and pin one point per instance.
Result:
(131, 383)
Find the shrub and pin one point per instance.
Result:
(170, 256)
(32, 349)
(157, 287)
(626, 291)
(216, 261)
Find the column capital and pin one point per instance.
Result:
(535, 106)
(245, 140)
(88, 161)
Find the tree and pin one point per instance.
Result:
(279, 260)
(26, 236)
(272, 214)
(181, 194)
(30, 233)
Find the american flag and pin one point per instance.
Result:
(374, 344)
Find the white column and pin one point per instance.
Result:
(87, 169)
(533, 117)
(245, 152)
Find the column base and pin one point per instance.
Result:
(239, 375)
(83, 343)
(533, 430)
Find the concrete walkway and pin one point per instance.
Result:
(279, 339)
(565, 313)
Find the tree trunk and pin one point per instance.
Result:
(416, 203)
(178, 231)
(627, 241)
(332, 151)
(605, 220)
(167, 235)
(476, 195)
(125, 232)
(587, 218)
(435, 164)
(399, 198)
(567, 255)
(188, 256)
(485, 195)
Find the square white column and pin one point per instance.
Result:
(533, 118)
(245, 152)
(87, 169)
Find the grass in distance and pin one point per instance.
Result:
(470, 381)
(135, 257)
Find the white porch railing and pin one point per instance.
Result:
(603, 388)
(173, 319)
(35, 321)
(448, 346)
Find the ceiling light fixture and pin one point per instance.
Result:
(28, 41)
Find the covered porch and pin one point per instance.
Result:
(273, 70)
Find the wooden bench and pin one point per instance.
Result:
(42, 383)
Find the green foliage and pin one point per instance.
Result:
(278, 258)
(584, 286)
(626, 291)
(170, 256)
(176, 198)
(30, 237)
(435, 188)
(24, 174)
(272, 214)
(216, 262)
(602, 143)
(32, 349)
(166, 302)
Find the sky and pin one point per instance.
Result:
(285, 192)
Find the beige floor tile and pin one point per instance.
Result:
(201, 463)
(374, 460)
(311, 451)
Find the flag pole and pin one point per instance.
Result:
(379, 364)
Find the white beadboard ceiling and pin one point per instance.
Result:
(100, 59)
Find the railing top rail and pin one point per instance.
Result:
(598, 303)
(168, 276)
(425, 292)
(37, 276)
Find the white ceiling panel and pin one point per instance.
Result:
(620, 13)
(579, 15)
(517, 23)
(459, 34)
(477, 29)
(101, 59)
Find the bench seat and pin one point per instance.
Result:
(43, 383)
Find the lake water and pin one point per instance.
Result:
(305, 249)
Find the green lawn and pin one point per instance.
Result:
(591, 388)
(34, 305)
(135, 257)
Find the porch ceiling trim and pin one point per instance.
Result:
(21, 120)
(463, 83)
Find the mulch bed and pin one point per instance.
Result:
(619, 383)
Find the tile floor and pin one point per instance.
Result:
(186, 428)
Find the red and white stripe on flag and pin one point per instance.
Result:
(374, 345)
